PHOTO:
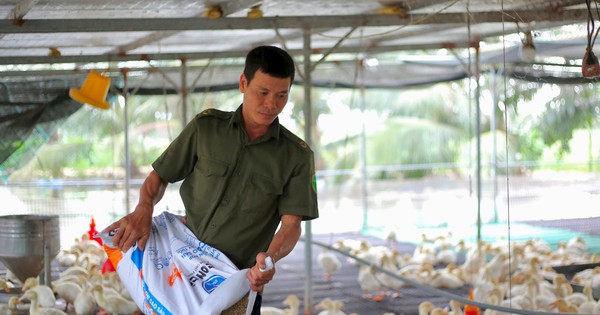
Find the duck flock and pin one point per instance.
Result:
(81, 287)
(517, 275)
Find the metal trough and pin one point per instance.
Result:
(28, 243)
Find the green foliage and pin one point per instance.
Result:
(573, 109)
(518, 92)
(52, 158)
(414, 128)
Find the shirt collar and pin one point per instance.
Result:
(273, 131)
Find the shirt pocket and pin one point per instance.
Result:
(211, 168)
(262, 195)
(208, 178)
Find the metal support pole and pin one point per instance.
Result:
(363, 149)
(126, 144)
(308, 298)
(494, 143)
(184, 92)
(478, 124)
(47, 279)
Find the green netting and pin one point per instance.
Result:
(30, 113)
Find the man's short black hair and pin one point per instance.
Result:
(271, 60)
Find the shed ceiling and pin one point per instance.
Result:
(62, 37)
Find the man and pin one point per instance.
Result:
(243, 175)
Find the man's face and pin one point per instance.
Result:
(264, 98)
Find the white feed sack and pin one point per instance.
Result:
(177, 273)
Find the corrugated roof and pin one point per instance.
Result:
(70, 35)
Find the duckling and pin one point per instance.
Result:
(4, 285)
(68, 291)
(291, 300)
(576, 298)
(44, 296)
(424, 254)
(439, 311)
(79, 270)
(564, 307)
(368, 282)
(456, 308)
(293, 303)
(496, 298)
(331, 307)
(587, 307)
(112, 303)
(271, 310)
(391, 239)
(12, 278)
(79, 279)
(10, 308)
(35, 309)
(69, 258)
(446, 255)
(85, 303)
(329, 262)
(577, 246)
(445, 279)
(393, 284)
(425, 307)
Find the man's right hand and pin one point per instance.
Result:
(132, 228)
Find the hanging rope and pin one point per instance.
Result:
(470, 97)
(508, 226)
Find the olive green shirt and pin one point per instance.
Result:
(235, 191)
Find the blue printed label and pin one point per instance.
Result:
(212, 283)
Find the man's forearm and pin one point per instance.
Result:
(152, 190)
(286, 237)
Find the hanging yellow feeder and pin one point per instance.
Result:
(93, 91)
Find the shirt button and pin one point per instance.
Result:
(213, 225)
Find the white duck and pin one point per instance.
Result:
(475, 259)
(576, 298)
(564, 307)
(331, 307)
(588, 306)
(85, 303)
(78, 270)
(79, 279)
(577, 246)
(442, 278)
(12, 278)
(446, 255)
(329, 262)
(68, 258)
(456, 308)
(390, 282)
(496, 298)
(45, 295)
(68, 291)
(291, 301)
(368, 282)
(114, 304)
(35, 309)
(425, 307)
(424, 254)
(4, 285)
(10, 308)
(439, 311)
